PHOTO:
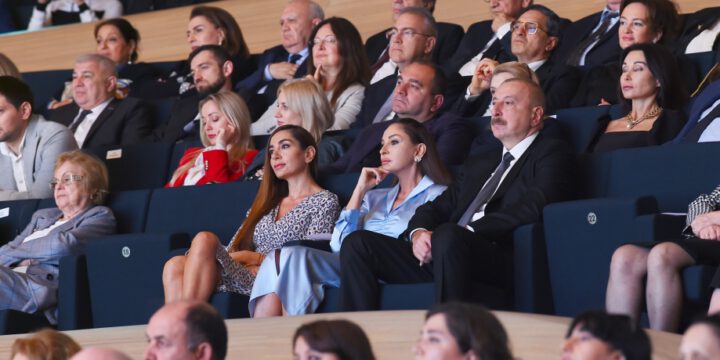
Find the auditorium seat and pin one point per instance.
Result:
(14, 216)
(142, 166)
(45, 85)
(582, 235)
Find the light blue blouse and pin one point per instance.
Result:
(376, 213)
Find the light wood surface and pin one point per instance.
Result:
(392, 334)
(163, 32)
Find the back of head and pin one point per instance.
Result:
(618, 331)
(305, 97)
(672, 93)
(15, 91)
(205, 325)
(663, 16)
(343, 338)
(234, 41)
(518, 70)
(7, 67)
(45, 344)
(100, 353)
(475, 329)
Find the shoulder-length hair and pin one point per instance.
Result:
(129, 33)
(45, 344)
(430, 164)
(672, 93)
(354, 68)
(234, 41)
(475, 329)
(662, 15)
(305, 97)
(237, 113)
(617, 331)
(341, 337)
(7, 67)
(272, 189)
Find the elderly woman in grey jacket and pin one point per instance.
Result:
(29, 263)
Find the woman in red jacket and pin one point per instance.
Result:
(225, 133)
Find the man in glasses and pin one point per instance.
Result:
(534, 37)
(29, 144)
(448, 38)
(412, 38)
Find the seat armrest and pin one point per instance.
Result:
(74, 310)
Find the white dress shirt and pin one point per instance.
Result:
(17, 164)
(84, 128)
(712, 132)
(705, 40)
(469, 68)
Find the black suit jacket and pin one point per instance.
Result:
(448, 39)
(123, 122)
(606, 50)
(542, 175)
(249, 86)
(694, 24)
(473, 42)
(183, 111)
(375, 96)
(452, 139)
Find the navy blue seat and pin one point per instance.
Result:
(160, 109)
(14, 216)
(45, 85)
(582, 235)
(142, 166)
(578, 125)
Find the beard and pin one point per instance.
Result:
(211, 88)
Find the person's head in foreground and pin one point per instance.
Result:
(331, 340)
(464, 331)
(599, 335)
(45, 344)
(702, 339)
(100, 354)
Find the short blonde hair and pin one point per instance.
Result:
(96, 174)
(7, 67)
(45, 344)
(305, 97)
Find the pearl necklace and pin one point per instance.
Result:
(631, 121)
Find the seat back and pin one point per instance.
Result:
(14, 216)
(142, 166)
(130, 210)
(578, 125)
(219, 208)
(45, 85)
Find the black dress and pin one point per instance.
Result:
(664, 129)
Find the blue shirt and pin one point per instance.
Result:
(376, 212)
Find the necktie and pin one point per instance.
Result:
(384, 111)
(576, 56)
(79, 120)
(294, 58)
(694, 135)
(487, 191)
(382, 60)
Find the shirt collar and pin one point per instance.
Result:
(98, 108)
(424, 183)
(536, 64)
(519, 149)
(5, 150)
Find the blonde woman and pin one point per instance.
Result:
(226, 139)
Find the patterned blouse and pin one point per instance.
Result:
(316, 214)
(703, 205)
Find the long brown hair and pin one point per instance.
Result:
(430, 164)
(272, 189)
(237, 113)
(234, 41)
(354, 68)
(341, 337)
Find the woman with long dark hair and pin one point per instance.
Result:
(408, 152)
(289, 205)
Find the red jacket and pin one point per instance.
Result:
(217, 166)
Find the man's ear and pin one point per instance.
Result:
(437, 102)
(227, 68)
(204, 351)
(25, 110)
(551, 44)
(430, 44)
(111, 84)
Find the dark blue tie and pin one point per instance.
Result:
(79, 120)
(294, 58)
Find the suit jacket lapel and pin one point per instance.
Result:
(32, 141)
(478, 177)
(104, 115)
(514, 172)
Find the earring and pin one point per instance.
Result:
(418, 159)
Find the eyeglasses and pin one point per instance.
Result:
(404, 33)
(65, 180)
(329, 40)
(530, 27)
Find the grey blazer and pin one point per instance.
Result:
(44, 141)
(36, 289)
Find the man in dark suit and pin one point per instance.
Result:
(486, 39)
(448, 37)
(212, 70)
(592, 40)
(418, 95)
(413, 39)
(465, 234)
(700, 32)
(95, 116)
(703, 124)
(285, 61)
(534, 37)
